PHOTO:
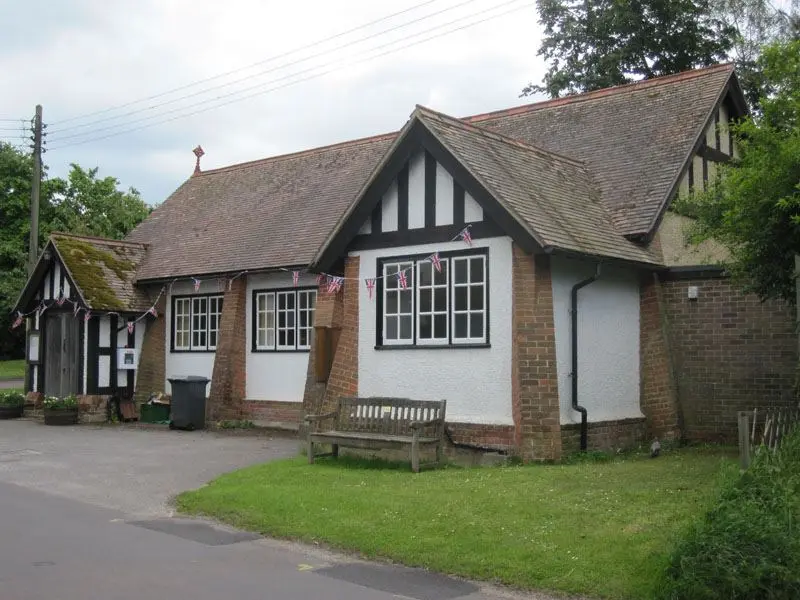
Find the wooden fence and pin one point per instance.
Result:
(763, 429)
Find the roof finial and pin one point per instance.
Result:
(198, 152)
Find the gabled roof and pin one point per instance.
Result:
(634, 139)
(551, 200)
(102, 272)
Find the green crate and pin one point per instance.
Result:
(154, 413)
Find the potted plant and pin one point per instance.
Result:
(11, 404)
(60, 411)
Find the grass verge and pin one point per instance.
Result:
(595, 528)
(12, 369)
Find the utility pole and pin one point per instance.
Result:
(33, 245)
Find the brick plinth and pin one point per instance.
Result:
(151, 376)
(269, 412)
(605, 435)
(658, 398)
(730, 352)
(535, 406)
(226, 398)
(500, 437)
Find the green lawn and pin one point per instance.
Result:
(598, 528)
(12, 369)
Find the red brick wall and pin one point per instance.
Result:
(534, 386)
(490, 436)
(152, 355)
(228, 386)
(730, 352)
(273, 411)
(657, 387)
(605, 435)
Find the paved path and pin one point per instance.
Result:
(84, 514)
(7, 384)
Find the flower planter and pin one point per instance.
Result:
(60, 416)
(10, 412)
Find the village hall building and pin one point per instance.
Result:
(522, 264)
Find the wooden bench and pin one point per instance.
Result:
(373, 423)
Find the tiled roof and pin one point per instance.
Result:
(553, 196)
(103, 271)
(632, 140)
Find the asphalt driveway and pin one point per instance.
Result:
(128, 468)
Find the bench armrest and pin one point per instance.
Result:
(315, 418)
(421, 424)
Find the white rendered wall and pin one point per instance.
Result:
(476, 382)
(181, 364)
(278, 376)
(608, 341)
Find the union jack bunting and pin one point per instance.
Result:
(61, 298)
(320, 279)
(87, 316)
(295, 277)
(17, 321)
(335, 284)
(131, 326)
(152, 311)
(436, 261)
(466, 236)
(370, 286)
(402, 280)
(196, 284)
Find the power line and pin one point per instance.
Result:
(314, 76)
(258, 74)
(250, 66)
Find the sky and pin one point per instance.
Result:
(287, 89)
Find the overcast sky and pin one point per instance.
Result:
(80, 57)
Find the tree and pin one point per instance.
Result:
(80, 204)
(754, 207)
(592, 44)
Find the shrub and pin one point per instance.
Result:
(12, 399)
(748, 545)
(54, 403)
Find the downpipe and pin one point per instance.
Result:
(574, 315)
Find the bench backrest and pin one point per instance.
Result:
(391, 416)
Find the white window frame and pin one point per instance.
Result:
(187, 311)
(387, 269)
(389, 273)
(261, 306)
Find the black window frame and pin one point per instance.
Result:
(412, 282)
(254, 347)
(191, 298)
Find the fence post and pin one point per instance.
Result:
(744, 439)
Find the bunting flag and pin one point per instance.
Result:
(17, 321)
(295, 278)
(370, 286)
(402, 280)
(196, 284)
(335, 284)
(152, 311)
(466, 236)
(61, 298)
(87, 316)
(436, 261)
(320, 279)
(131, 327)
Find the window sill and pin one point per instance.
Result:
(279, 351)
(192, 351)
(431, 346)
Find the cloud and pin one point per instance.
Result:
(99, 54)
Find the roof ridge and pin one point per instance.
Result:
(289, 155)
(108, 241)
(500, 137)
(633, 86)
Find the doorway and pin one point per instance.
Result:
(61, 355)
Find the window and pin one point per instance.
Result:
(195, 323)
(426, 306)
(283, 319)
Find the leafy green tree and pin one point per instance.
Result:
(592, 44)
(81, 204)
(754, 208)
